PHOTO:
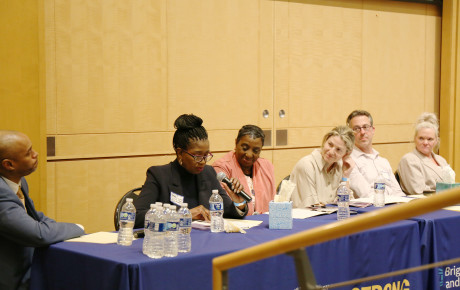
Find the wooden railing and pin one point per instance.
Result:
(332, 231)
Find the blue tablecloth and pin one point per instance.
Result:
(93, 266)
(439, 241)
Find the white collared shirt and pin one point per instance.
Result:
(13, 185)
(366, 171)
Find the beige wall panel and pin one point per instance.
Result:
(308, 137)
(266, 64)
(394, 60)
(51, 190)
(88, 191)
(324, 62)
(129, 144)
(432, 58)
(281, 64)
(50, 66)
(104, 145)
(110, 63)
(21, 98)
(394, 152)
(285, 161)
(214, 61)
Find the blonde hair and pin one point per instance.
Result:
(345, 133)
(428, 120)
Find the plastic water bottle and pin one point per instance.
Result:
(216, 208)
(149, 224)
(185, 227)
(127, 217)
(171, 232)
(343, 200)
(158, 234)
(379, 191)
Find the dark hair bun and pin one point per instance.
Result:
(187, 122)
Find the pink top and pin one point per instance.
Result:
(263, 179)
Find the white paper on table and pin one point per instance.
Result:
(303, 213)
(244, 224)
(233, 224)
(417, 196)
(389, 199)
(201, 225)
(96, 238)
(453, 208)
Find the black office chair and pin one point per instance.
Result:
(134, 194)
(279, 185)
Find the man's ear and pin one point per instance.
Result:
(7, 164)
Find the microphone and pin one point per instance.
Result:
(223, 178)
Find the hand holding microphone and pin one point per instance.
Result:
(223, 178)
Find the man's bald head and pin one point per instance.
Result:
(8, 140)
(17, 158)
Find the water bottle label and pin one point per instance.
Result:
(160, 227)
(150, 226)
(172, 226)
(379, 185)
(127, 216)
(185, 222)
(343, 198)
(215, 206)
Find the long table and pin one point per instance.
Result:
(70, 265)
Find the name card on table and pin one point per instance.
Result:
(280, 215)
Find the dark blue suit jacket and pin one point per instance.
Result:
(162, 180)
(21, 231)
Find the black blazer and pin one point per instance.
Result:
(164, 179)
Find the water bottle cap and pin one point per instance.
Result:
(215, 191)
(172, 207)
(185, 204)
(129, 200)
(344, 178)
(152, 205)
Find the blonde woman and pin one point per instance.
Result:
(318, 175)
(420, 169)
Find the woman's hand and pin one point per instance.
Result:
(348, 165)
(232, 192)
(200, 213)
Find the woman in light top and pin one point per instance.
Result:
(420, 169)
(318, 175)
(256, 174)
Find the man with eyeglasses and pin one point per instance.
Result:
(368, 162)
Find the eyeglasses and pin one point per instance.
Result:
(366, 128)
(200, 158)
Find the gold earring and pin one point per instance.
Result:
(180, 161)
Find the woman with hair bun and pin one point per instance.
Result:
(188, 179)
(420, 169)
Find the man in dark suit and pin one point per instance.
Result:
(21, 227)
